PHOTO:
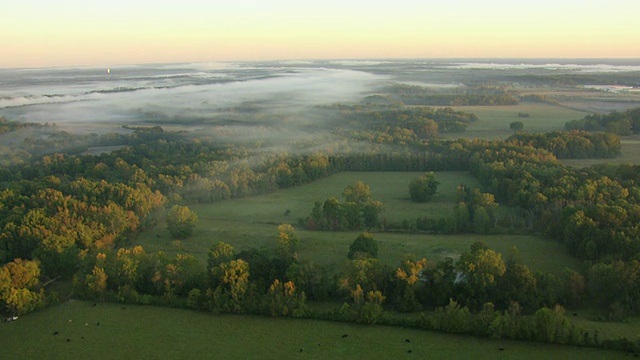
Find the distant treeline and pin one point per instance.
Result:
(631, 78)
(482, 95)
(400, 125)
(572, 145)
(621, 123)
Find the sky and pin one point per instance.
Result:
(39, 33)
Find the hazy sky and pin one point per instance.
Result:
(104, 33)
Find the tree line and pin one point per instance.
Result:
(620, 123)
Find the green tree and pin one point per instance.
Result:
(284, 300)
(96, 282)
(288, 242)
(181, 221)
(358, 193)
(19, 282)
(370, 212)
(364, 246)
(516, 126)
(482, 268)
(408, 277)
(235, 277)
(423, 188)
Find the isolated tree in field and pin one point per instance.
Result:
(423, 188)
(364, 246)
(516, 126)
(181, 221)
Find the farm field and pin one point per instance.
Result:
(251, 222)
(78, 330)
(493, 121)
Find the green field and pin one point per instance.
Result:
(138, 332)
(493, 122)
(251, 222)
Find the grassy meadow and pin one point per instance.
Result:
(251, 222)
(493, 121)
(78, 330)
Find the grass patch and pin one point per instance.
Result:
(392, 188)
(251, 222)
(493, 122)
(138, 332)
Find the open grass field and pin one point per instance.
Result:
(392, 188)
(493, 122)
(588, 319)
(251, 222)
(137, 332)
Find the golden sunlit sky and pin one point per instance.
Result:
(104, 33)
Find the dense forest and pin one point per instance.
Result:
(74, 216)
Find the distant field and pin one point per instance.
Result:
(251, 222)
(137, 332)
(494, 121)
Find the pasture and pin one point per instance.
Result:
(251, 222)
(78, 330)
(493, 121)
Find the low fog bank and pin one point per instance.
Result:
(244, 101)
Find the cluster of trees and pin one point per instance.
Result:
(20, 290)
(359, 210)
(181, 221)
(251, 281)
(29, 141)
(539, 98)
(276, 283)
(594, 212)
(620, 123)
(481, 95)
(54, 220)
(422, 188)
(572, 144)
(474, 211)
(400, 125)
